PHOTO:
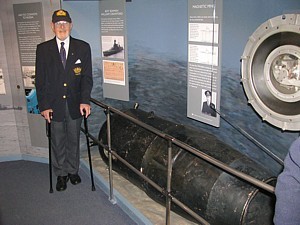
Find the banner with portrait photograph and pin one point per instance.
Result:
(204, 57)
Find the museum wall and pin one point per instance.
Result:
(17, 125)
(157, 67)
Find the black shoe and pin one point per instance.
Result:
(61, 184)
(74, 178)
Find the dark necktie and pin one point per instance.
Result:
(63, 54)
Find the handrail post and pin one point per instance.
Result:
(110, 173)
(169, 176)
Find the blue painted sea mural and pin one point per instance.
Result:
(157, 67)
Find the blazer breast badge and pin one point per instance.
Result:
(77, 71)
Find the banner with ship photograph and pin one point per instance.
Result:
(113, 50)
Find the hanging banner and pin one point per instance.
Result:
(2, 83)
(204, 59)
(30, 32)
(3, 62)
(114, 49)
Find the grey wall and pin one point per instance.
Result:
(16, 138)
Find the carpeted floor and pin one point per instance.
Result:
(25, 199)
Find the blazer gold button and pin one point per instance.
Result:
(65, 84)
(64, 96)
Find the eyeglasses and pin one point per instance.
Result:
(61, 23)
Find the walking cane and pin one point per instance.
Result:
(48, 132)
(89, 151)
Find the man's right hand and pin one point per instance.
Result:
(47, 114)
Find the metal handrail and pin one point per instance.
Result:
(166, 193)
(172, 140)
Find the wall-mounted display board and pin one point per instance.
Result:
(2, 83)
(23, 26)
(204, 58)
(114, 49)
(30, 32)
(4, 79)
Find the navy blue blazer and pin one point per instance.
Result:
(56, 85)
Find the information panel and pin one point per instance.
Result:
(204, 57)
(114, 49)
(3, 62)
(30, 32)
(2, 83)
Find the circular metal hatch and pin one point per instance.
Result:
(270, 67)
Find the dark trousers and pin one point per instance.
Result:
(65, 138)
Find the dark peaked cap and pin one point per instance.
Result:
(61, 15)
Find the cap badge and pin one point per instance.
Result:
(61, 13)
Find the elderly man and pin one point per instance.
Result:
(63, 84)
